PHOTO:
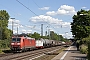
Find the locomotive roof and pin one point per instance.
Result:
(30, 38)
(20, 35)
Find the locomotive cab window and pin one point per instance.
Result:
(16, 39)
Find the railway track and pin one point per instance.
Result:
(6, 54)
(30, 55)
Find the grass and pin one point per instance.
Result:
(2, 51)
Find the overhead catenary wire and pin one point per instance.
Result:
(26, 7)
(13, 12)
(33, 12)
(39, 7)
(48, 23)
(25, 26)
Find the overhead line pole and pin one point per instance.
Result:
(31, 10)
(12, 25)
(41, 29)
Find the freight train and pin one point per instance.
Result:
(24, 43)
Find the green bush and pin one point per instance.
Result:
(0, 51)
(88, 55)
(4, 44)
(83, 49)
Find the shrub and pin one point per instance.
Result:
(0, 51)
(88, 55)
(4, 44)
(83, 49)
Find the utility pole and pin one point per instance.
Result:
(41, 29)
(48, 31)
(17, 29)
(12, 25)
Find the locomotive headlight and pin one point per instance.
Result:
(12, 43)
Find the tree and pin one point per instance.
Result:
(35, 35)
(80, 27)
(53, 35)
(4, 31)
(61, 38)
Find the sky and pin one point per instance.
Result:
(55, 15)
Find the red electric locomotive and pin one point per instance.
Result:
(22, 43)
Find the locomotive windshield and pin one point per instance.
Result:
(16, 39)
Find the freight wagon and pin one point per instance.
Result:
(39, 44)
(42, 43)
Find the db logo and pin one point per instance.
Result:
(15, 43)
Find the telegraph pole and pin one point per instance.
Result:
(17, 30)
(12, 25)
(41, 29)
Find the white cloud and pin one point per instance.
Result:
(23, 31)
(51, 13)
(66, 7)
(44, 8)
(29, 31)
(65, 24)
(15, 21)
(84, 7)
(10, 20)
(28, 26)
(14, 31)
(21, 26)
(63, 10)
(67, 35)
(50, 20)
(45, 19)
(26, 31)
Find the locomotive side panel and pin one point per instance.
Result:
(29, 44)
(22, 44)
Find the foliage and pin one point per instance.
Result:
(61, 38)
(4, 44)
(80, 27)
(83, 49)
(5, 33)
(35, 35)
(88, 55)
(53, 35)
(86, 40)
(0, 51)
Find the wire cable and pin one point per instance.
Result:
(39, 7)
